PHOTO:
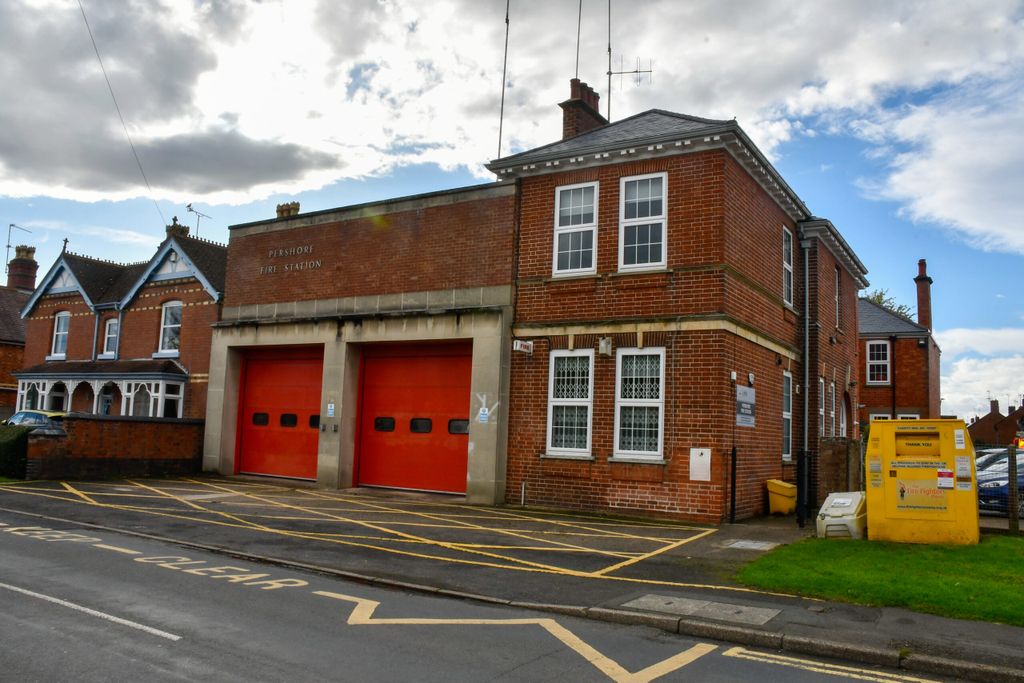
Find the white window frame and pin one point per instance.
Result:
(878, 416)
(157, 390)
(832, 408)
(787, 265)
(560, 230)
(869, 363)
(587, 402)
(837, 297)
(60, 334)
(107, 337)
(617, 452)
(787, 416)
(661, 218)
(161, 351)
(907, 416)
(842, 419)
(821, 406)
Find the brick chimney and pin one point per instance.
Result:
(176, 229)
(924, 295)
(21, 271)
(581, 112)
(993, 406)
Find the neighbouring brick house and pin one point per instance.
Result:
(21, 280)
(996, 429)
(115, 339)
(899, 369)
(665, 272)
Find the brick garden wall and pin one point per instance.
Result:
(101, 446)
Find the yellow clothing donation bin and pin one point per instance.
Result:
(921, 485)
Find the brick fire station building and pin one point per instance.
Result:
(680, 299)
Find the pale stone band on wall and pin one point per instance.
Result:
(434, 301)
(703, 324)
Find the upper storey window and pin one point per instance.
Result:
(878, 362)
(787, 266)
(110, 337)
(61, 322)
(642, 222)
(575, 229)
(170, 328)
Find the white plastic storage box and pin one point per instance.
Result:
(844, 515)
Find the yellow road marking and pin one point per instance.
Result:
(823, 667)
(514, 534)
(673, 546)
(116, 549)
(362, 615)
(196, 506)
(78, 493)
(56, 494)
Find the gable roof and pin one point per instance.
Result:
(12, 326)
(105, 284)
(873, 319)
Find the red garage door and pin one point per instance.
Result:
(280, 413)
(414, 417)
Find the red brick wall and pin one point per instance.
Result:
(106, 446)
(39, 328)
(11, 356)
(916, 372)
(463, 244)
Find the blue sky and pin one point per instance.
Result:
(902, 122)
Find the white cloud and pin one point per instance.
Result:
(986, 342)
(970, 382)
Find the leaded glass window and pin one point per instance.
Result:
(570, 399)
(640, 402)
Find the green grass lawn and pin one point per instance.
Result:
(983, 582)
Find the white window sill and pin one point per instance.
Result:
(641, 270)
(56, 356)
(638, 459)
(106, 356)
(166, 354)
(568, 275)
(876, 384)
(566, 456)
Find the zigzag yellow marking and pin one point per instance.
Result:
(362, 615)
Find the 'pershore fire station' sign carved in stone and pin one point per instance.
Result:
(291, 266)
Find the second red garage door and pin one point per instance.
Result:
(414, 417)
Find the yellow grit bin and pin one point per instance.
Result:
(921, 485)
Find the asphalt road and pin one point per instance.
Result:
(86, 606)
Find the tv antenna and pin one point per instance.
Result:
(199, 214)
(7, 259)
(638, 72)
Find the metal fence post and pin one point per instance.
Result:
(1013, 497)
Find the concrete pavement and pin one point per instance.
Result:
(674, 576)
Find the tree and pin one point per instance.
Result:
(881, 298)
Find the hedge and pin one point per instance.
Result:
(13, 450)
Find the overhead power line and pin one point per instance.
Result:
(131, 144)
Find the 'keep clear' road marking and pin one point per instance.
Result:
(822, 667)
(233, 574)
(92, 612)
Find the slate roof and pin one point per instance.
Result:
(96, 277)
(12, 327)
(645, 126)
(104, 367)
(209, 257)
(873, 319)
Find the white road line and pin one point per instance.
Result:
(116, 549)
(92, 612)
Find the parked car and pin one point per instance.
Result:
(988, 457)
(994, 489)
(36, 419)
